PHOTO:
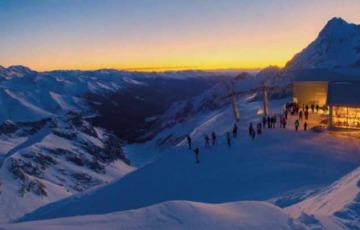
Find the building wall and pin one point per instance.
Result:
(311, 92)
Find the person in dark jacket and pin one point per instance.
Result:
(251, 131)
(300, 115)
(228, 138)
(306, 113)
(189, 141)
(197, 152)
(259, 128)
(305, 126)
(207, 140)
(213, 138)
(317, 108)
(235, 129)
(264, 122)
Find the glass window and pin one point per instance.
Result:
(346, 117)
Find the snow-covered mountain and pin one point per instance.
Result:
(338, 45)
(334, 207)
(117, 100)
(50, 150)
(46, 160)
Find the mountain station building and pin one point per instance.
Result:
(339, 91)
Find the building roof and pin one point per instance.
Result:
(345, 74)
(344, 93)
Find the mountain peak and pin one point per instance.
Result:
(337, 21)
(338, 45)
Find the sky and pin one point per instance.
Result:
(162, 34)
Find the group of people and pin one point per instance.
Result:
(267, 121)
(302, 114)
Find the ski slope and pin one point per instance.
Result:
(275, 163)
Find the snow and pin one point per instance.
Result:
(273, 164)
(177, 215)
(36, 158)
(336, 46)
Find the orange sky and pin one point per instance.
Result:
(163, 34)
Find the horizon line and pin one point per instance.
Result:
(147, 69)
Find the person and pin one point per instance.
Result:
(275, 120)
(286, 113)
(228, 138)
(306, 113)
(307, 108)
(300, 115)
(296, 123)
(207, 139)
(189, 141)
(197, 152)
(251, 131)
(213, 138)
(317, 108)
(272, 120)
(259, 128)
(269, 122)
(284, 123)
(263, 122)
(235, 129)
(305, 126)
(312, 107)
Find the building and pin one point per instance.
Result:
(337, 91)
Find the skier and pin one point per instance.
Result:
(296, 123)
(213, 138)
(305, 126)
(228, 138)
(263, 122)
(235, 129)
(307, 108)
(300, 115)
(312, 107)
(197, 152)
(189, 141)
(207, 139)
(317, 108)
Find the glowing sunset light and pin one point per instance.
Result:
(161, 35)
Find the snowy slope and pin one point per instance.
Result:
(50, 159)
(177, 215)
(336, 205)
(249, 170)
(338, 45)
